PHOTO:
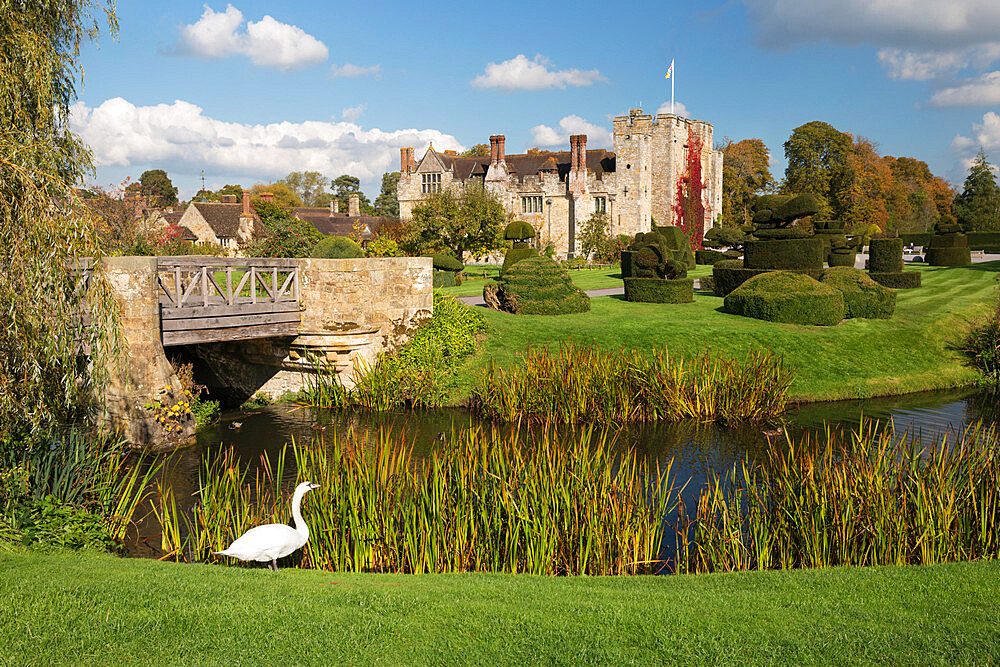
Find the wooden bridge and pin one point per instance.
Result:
(212, 299)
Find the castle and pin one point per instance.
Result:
(659, 167)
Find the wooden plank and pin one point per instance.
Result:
(171, 338)
(171, 313)
(169, 262)
(228, 321)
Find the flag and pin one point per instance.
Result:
(670, 70)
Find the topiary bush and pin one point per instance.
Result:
(784, 254)
(518, 231)
(897, 280)
(916, 238)
(885, 255)
(659, 290)
(336, 247)
(863, 297)
(949, 246)
(520, 251)
(446, 263)
(783, 296)
(444, 278)
(729, 274)
(670, 243)
(708, 257)
(988, 241)
(949, 256)
(536, 286)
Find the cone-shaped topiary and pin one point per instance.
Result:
(863, 297)
(783, 296)
(536, 286)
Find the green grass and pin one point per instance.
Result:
(92, 609)
(854, 359)
(585, 279)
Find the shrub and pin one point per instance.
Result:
(336, 247)
(897, 280)
(842, 259)
(536, 286)
(659, 290)
(730, 274)
(518, 231)
(983, 240)
(982, 346)
(783, 296)
(863, 297)
(886, 255)
(520, 251)
(948, 255)
(708, 257)
(916, 238)
(446, 263)
(784, 254)
(382, 246)
(444, 278)
(707, 284)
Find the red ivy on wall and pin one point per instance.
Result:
(689, 211)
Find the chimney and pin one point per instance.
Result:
(335, 206)
(267, 196)
(493, 149)
(500, 147)
(354, 206)
(581, 152)
(412, 159)
(247, 209)
(404, 160)
(572, 152)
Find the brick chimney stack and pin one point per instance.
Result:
(267, 196)
(581, 152)
(572, 152)
(413, 160)
(247, 208)
(493, 149)
(354, 206)
(404, 160)
(501, 140)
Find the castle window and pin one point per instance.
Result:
(531, 204)
(600, 205)
(430, 183)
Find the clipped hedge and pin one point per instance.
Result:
(520, 251)
(536, 286)
(885, 255)
(658, 290)
(948, 255)
(842, 259)
(783, 254)
(988, 241)
(729, 274)
(445, 278)
(626, 263)
(863, 297)
(949, 241)
(897, 279)
(784, 296)
(707, 284)
(916, 238)
(708, 257)
(446, 263)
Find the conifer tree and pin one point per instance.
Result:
(977, 207)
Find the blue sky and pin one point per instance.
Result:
(252, 90)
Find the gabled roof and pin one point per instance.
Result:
(224, 219)
(599, 161)
(338, 224)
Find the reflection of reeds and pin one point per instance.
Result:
(486, 502)
(581, 383)
(861, 498)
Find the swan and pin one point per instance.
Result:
(275, 540)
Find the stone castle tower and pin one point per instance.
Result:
(652, 155)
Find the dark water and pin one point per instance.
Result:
(695, 449)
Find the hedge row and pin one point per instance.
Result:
(948, 256)
(784, 296)
(917, 238)
(988, 241)
(729, 274)
(708, 257)
(446, 278)
(897, 279)
(784, 254)
(658, 290)
(842, 259)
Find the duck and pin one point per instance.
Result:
(235, 425)
(268, 543)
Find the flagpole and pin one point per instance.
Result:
(672, 76)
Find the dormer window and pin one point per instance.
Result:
(430, 183)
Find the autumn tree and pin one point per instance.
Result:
(459, 221)
(283, 194)
(309, 186)
(817, 155)
(387, 202)
(865, 183)
(478, 150)
(155, 184)
(977, 207)
(745, 173)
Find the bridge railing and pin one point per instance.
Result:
(206, 299)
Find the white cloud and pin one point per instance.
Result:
(597, 137)
(919, 24)
(519, 73)
(180, 138)
(351, 114)
(679, 109)
(982, 91)
(985, 134)
(268, 42)
(349, 70)
(920, 66)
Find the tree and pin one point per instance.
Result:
(387, 202)
(343, 187)
(478, 150)
(816, 153)
(229, 190)
(470, 219)
(866, 181)
(282, 193)
(287, 236)
(309, 186)
(977, 207)
(745, 173)
(155, 184)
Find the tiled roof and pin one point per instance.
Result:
(224, 219)
(599, 161)
(338, 224)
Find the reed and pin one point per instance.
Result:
(864, 497)
(486, 502)
(587, 384)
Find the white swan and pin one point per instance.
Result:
(275, 540)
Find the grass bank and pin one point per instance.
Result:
(81, 608)
(585, 279)
(855, 359)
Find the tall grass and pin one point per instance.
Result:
(864, 497)
(586, 384)
(485, 503)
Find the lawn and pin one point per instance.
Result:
(81, 608)
(855, 359)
